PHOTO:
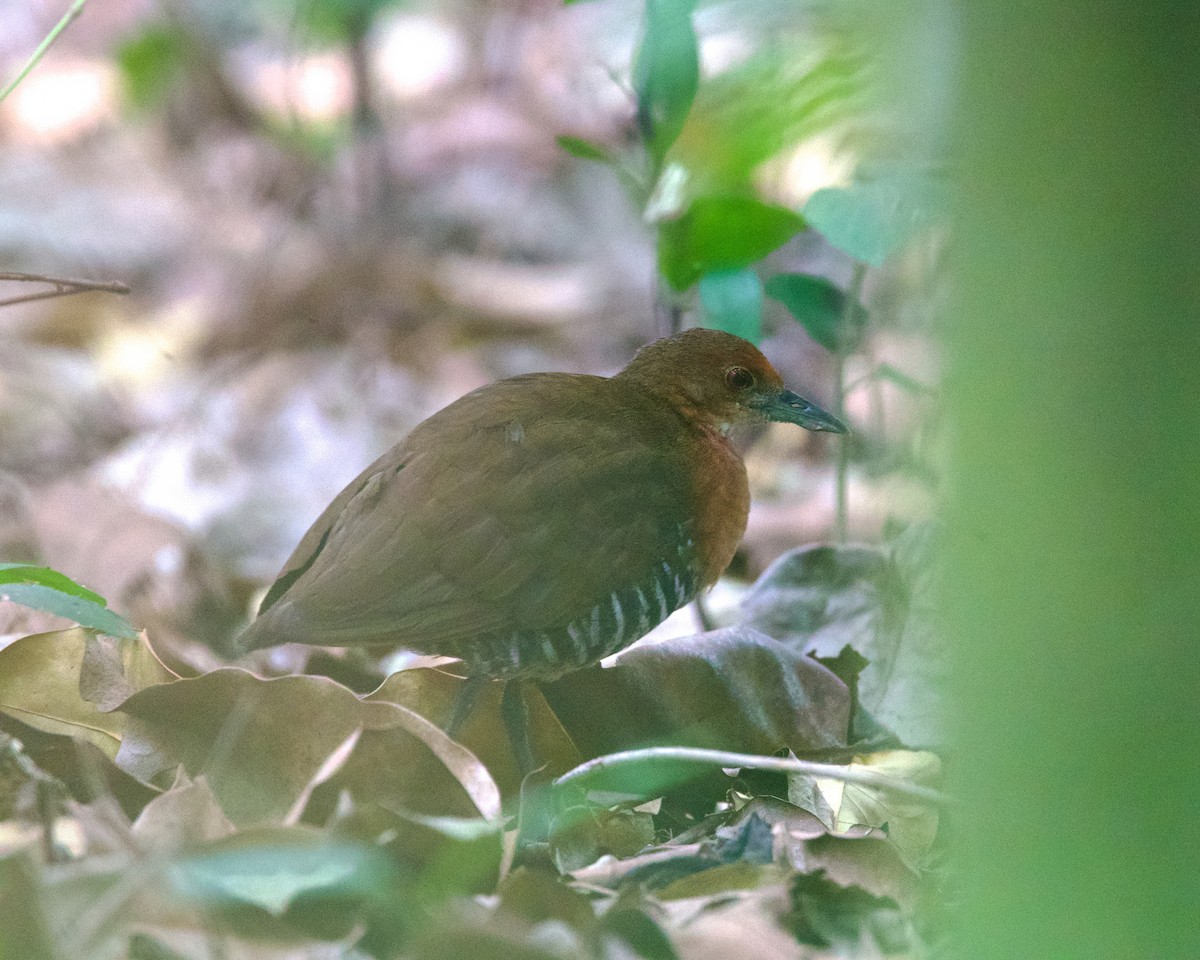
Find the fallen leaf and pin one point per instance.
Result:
(848, 920)
(185, 815)
(740, 927)
(910, 825)
(431, 694)
(40, 686)
(86, 770)
(732, 689)
(261, 743)
(821, 599)
(113, 670)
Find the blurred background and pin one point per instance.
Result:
(336, 216)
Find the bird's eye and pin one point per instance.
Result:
(738, 378)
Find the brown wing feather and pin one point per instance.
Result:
(517, 507)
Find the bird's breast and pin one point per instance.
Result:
(720, 504)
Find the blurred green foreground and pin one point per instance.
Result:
(1072, 565)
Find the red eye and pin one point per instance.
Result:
(738, 378)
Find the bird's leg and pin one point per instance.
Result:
(515, 713)
(464, 703)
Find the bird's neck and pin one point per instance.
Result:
(688, 406)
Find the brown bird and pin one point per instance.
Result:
(543, 522)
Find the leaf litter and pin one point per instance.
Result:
(293, 810)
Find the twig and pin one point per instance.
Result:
(841, 519)
(708, 622)
(750, 761)
(73, 11)
(63, 287)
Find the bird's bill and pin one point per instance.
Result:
(788, 407)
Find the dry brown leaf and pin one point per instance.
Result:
(262, 742)
(431, 693)
(742, 927)
(40, 686)
(186, 814)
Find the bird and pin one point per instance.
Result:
(542, 522)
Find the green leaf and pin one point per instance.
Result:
(275, 867)
(666, 73)
(335, 22)
(639, 931)
(48, 590)
(732, 301)
(583, 149)
(27, 573)
(721, 233)
(462, 855)
(820, 307)
(870, 220)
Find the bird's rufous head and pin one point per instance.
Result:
(722, 380)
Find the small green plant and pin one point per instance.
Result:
(702, 142)
(52, 592)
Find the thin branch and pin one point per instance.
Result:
(841, 514)
(63, 287)
(750, 761)
(73, 11)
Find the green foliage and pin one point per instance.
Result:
(1071, 557)
(759, 108)
(44, 589)
(820, 307)
(666, 73)
(732, 301)
(871, 220)
(721, 233)
(151, 62)
(705, 140)
(24, 932)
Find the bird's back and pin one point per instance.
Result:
(531, 527)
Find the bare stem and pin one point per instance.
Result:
(73, 11)
(63, 287)
(842, 510)
(750, 761)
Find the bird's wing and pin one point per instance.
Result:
(518, 507)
